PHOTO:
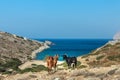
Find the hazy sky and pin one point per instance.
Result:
(60, 18)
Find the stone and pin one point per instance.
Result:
(111, 72)
(117, 36)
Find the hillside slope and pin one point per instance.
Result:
(107, 55)
(12, 46)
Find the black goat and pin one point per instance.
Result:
(71, 61)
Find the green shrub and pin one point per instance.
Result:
(118, 47)
(65, 64)
(34, 69)
(34, 64)
(29, 57)
(20, 37)
(87, 59)
(117, 43)
(114, 57)
(96, 53)
(10, 64)
(13, 64)
(78, 63)
(82, 66)
(7, 72)
(108, 45)
(2, 69)
(100, 57)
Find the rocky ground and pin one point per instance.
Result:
(98, 73)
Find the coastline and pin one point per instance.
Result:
(33, 55)
(40, 49)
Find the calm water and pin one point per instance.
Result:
(72, 47)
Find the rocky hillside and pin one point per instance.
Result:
(12, 46)
(107, 55)
(38, 72)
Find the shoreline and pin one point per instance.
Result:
(40, 49)
(33, 55)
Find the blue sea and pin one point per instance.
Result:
(71, 47)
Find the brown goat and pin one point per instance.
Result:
(51, 62)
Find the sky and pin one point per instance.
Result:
(79, 19)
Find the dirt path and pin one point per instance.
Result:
(37, 62)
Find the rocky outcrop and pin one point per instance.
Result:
(13, 46)
(117, 36)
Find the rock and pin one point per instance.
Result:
(48, 42)
(112, 78)
(71, 78)
(79, 72)
(57, 79)
(89, 74)
(117, 71)
(91, 78)
(1, 77)
(112, 42)
(101, 76)
(33, 76)
(111, 72)
(117, 36)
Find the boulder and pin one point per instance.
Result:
(117, 36)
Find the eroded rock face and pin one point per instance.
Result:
(117, 36)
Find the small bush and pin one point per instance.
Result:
(78, 63)
(20, 37)
(12, 64)
(29, 58)
(100, 57)
(107, 46)
(7, 72)
(34, 64)
(2, 69)
(82, 66)
(117, 43)
(87, 59)
(96, 53)
(65, 64)
(34, 69)
(94, 63)
(114, 57)
(118, 47)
